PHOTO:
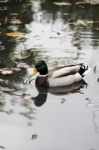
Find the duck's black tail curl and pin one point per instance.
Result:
(83, 68)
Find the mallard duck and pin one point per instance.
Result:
(59, 76)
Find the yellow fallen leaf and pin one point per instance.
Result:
(81, 22)
(15, 34)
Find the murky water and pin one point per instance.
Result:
(61, 35)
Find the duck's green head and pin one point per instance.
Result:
(41, 67)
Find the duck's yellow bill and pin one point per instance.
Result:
(34, 71)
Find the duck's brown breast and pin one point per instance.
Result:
(42, 81)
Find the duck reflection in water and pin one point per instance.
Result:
(41, 98)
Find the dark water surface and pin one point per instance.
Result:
(61, 35)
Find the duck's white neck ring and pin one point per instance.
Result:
(42, 75)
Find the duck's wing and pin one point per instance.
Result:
(68, 70)
(64, 71)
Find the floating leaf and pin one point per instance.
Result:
(75, 42)
(89, 21)
(79, 3)
(5, 89)
(14, 14)
(96, 21)
(62, 3)
(26, 96)
(81, 22)
(16, 69)
(89, 2)
(2, 147)
(97, 79)
(63, 100)
(92, 2)
(34, 136)
(2, 48)
(15, 21)
(22, 65)
(89, 102)
(15, 34)
(1, 80)
(84, 22)
(95, 69)
(5, 71)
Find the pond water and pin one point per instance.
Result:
(61, 34)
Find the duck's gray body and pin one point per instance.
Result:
(64, 76)
(65, 81)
